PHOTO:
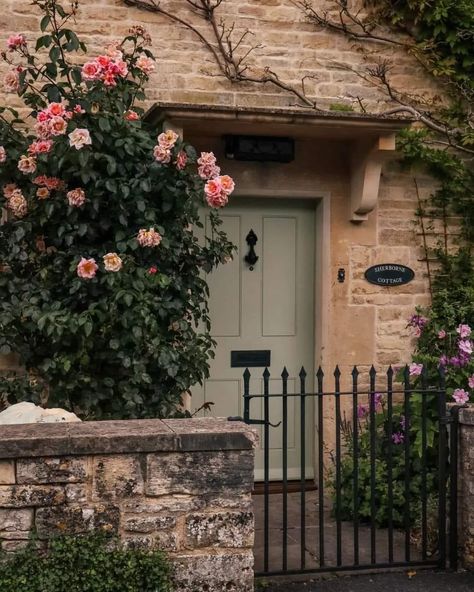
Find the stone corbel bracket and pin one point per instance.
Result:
(368, 156)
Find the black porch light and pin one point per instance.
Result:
(259, 148)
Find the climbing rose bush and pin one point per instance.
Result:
(102, 285)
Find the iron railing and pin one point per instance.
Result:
(346, 422)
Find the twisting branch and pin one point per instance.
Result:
(232, 64)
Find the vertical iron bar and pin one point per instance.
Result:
(303, 466)
(424, 519)
(453, 493)
(337, 377)
(390, 461)
(266, 467)
(320, 377)
(247, 395)
(373, 554)
(355, 457)
(442, 471)
(284, 378)
(406, 411)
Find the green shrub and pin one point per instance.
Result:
(91, 563)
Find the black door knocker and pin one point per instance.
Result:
(251, 258)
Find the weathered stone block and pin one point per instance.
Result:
(166, 540)
(224, 530)
(147, 524)
(7, 472)
(15, 524)
(214, 572)
(200, 473)
(52, 470)
(169, 504)
(23, 496)
(117, 476)
(76, 520)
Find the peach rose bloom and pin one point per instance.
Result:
(181, 160)
(148, 238)
(55, 110)
(79, 138)
(145, 64)
(91, 71)
(27, 164)
(228, 184)
(112, 262)
(216, 197)
(8, 189)
(40, 147)
(131, 115)
(11, 82)
(3, 154)
(162, 154)
(42, 193)
(16, 41)
(42, 130)
(18, 204)
(76, 197)
(168, 139)
(57, 126)
(87, 268)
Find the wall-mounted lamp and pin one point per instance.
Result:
(341, 275)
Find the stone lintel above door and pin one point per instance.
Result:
(367, 139)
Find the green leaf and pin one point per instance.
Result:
(45, 22)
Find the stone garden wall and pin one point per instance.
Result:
(184, 485)
(466, 486)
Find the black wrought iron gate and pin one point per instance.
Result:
(383, 491)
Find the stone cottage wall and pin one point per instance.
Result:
(183, 485)
(466, 487)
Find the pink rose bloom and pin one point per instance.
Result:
(216, 196)
(79, 138)
(441, 334)
(471, 381)
(3, 154)
(11, 82)
(207, 158)
(113, 51)
(57, 126)
(16, 41)
(76, 197)
(17, 204)
(416, 369)
(152, 270)
(168, 139)
(464, 331)
(120, 68)
(181, 160)
(161, 154)
(103, 61)
(91, 71)
(56, 110)
(109, 79)
(465, 346)
(42, 193)
(131, 115)
(42, 116)
(148, 238)
(40, 147)
(43, 130)
(112, 262)
(208, 171)
(27, 164)
(461, 396)
(49, 182)
(78, 110)
(228, 184)
(87, 268)
(145, 64)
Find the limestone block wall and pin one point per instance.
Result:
(466, 486)
(182, 485)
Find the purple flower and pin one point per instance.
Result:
(362, 410)
(470, 381)
(464, 331)
(416, 369)
(461, 396)
(417, 321)
(398, 438)
(441, 334)
(465, 345)
(443, 361)
(377, 397)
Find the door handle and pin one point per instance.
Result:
(251, 258)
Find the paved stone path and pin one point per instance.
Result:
(423, 581)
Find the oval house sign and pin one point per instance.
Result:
(389, 274)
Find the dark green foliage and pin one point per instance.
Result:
(91, 563)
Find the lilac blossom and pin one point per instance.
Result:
(464, 331)
(416, 369)
(398, 438)
(465, 345)
(362, 411)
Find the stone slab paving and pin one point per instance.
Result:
(422, 581)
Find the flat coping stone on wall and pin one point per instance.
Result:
(466, 415)
(127, 436)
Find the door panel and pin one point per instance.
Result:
(268, 308)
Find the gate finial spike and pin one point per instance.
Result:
(246, 374)
(320, 373)
(355, 372)
(372, 372)
(266, 373)
(390, 371)
(337, 372)
(285, 374)
(302, 373)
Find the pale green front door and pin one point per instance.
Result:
(268, 308)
